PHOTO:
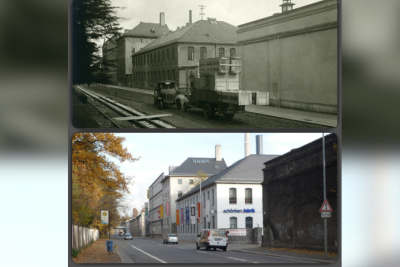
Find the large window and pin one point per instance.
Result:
(203, 53)
(213, 222)
(173, 54)
(221, 52)
(163, 56)
(167, 54)
(179, 181)
(248, 196)
(233, 222)
(159, 57)
(179, 193)
(190, 53)
(232, 196)
(173, 75)
(233, 52)
(249, 222)
(191, 181)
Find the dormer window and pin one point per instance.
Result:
(152, 30)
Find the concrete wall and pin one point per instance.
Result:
(293, 56)
(81, 236)
(293, 195)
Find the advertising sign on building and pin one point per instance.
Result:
(104, 217)
(159, 215)
(167, 208)
(237, 232)
(193, 214)
(162, 211)
(177, 217)
(187, 215)
(182, 219)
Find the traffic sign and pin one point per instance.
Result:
(326, 207)
(325, 214)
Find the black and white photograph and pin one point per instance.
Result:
(205, 64)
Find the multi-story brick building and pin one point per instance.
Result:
(134, 40)
(109, 56)
(175, 55)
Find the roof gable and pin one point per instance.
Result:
(201, 31)
(145, 29)
(191, 166)
(246, 170)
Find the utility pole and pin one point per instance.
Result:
(201, 13)
(325, 222)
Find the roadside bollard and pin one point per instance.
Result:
(109, 245)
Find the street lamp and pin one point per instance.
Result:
(201, 208)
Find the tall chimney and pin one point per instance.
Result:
(259, 144)
(218, 156)
(246, 144)
(162, 19)
(190, 16)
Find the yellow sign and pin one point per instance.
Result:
(161, 211)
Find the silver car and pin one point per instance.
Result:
(170, 238)
(128, 236)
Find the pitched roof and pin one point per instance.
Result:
(246, 170)
(191, 166)
(144, 29)
(202, 31)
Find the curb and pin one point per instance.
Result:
(119, 254)
(282, 256)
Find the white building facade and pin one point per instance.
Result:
(231, 199)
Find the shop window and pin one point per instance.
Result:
(221, 52)
(249, 222)
(248, 196)
(179, 181)
(190, 53)
(232, 196)
(203, 53)
(233, 222)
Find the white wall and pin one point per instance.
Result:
(223, 204)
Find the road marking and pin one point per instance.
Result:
(201, 252)
(181, 248)
(255, 262)
(236, 259)
(149, 255)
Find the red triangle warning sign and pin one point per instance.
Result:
(326, 207)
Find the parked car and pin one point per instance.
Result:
(212, 238)
(128, 236)
(170, 238)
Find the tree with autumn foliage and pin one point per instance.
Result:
(97, 182)
(200, 175)
(135, 213)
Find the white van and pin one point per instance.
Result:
(212, 238)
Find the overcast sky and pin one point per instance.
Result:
(177, 11)
(158, 151)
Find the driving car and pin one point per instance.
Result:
(170, 238)
(128, 236)
(212, 238)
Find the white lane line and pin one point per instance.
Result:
(149, 255)
(255, 262)
(181, 248)
(236, 259)
(201, 252)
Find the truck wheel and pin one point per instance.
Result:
(208, 111)
(160, 104)
(229, 115)
(178, 104)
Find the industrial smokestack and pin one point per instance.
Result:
(162, 19)
(246, 144)
(218, 155)
(190, 16)
(259, 144)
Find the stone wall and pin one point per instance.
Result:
(293, 195)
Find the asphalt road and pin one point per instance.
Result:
(146, 250)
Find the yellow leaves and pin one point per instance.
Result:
(95, 175)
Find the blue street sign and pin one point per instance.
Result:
(187, 215)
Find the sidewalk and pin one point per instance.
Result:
(328, 120)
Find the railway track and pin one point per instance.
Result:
(99, 102)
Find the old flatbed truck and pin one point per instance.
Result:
(216, 89)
